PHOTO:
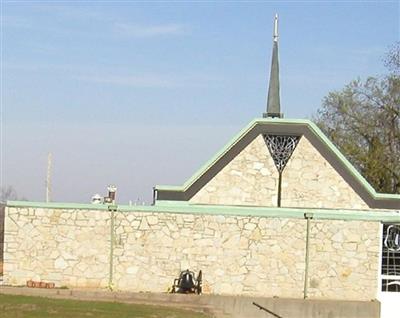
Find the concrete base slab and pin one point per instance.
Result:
(219, 306)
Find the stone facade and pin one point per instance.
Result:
(68, 247)
(308, 180)
(238, 255)
(344, 259)
(2, 210)
(251, 178)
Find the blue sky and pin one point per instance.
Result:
(139, 93)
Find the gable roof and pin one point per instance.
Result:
(283, 127)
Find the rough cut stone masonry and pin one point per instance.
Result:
(251, 178)
(238, 255)
(2, 210)
(310, 181)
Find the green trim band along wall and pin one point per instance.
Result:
(187, 208)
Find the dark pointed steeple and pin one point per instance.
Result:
(273, 100)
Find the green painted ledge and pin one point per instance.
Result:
(182, 207)
(278, 121)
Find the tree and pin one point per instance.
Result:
(392, 59)
(9, 193)
(363, 120)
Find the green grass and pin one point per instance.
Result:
(12, 306)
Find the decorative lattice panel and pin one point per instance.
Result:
(281, 148)
(391, 258)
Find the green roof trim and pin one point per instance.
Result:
(57, 205)
(182, 207)
(279, 121)
(349, 166)
(209, 163)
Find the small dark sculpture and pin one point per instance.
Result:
(187, 283)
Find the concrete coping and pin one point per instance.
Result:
(183, 207)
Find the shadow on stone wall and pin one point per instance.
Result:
(2, 212)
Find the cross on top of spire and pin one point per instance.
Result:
(276, 28)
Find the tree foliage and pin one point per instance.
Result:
(363, 120)
(392, 59)
(9, 193)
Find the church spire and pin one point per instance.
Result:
(273, 100)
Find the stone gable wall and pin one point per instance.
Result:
(238, 255)
(251, 178)
(308, 180)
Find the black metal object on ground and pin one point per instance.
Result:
(187, 283)
(267, 310)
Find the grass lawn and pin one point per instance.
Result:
(12, 306)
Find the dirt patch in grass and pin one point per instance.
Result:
(12, 306)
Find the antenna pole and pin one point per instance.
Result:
(48, 179)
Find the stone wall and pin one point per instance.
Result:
(238, 255)
(2, 210)
(344, 259)
(68, 247)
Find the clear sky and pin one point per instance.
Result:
(143, 93)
